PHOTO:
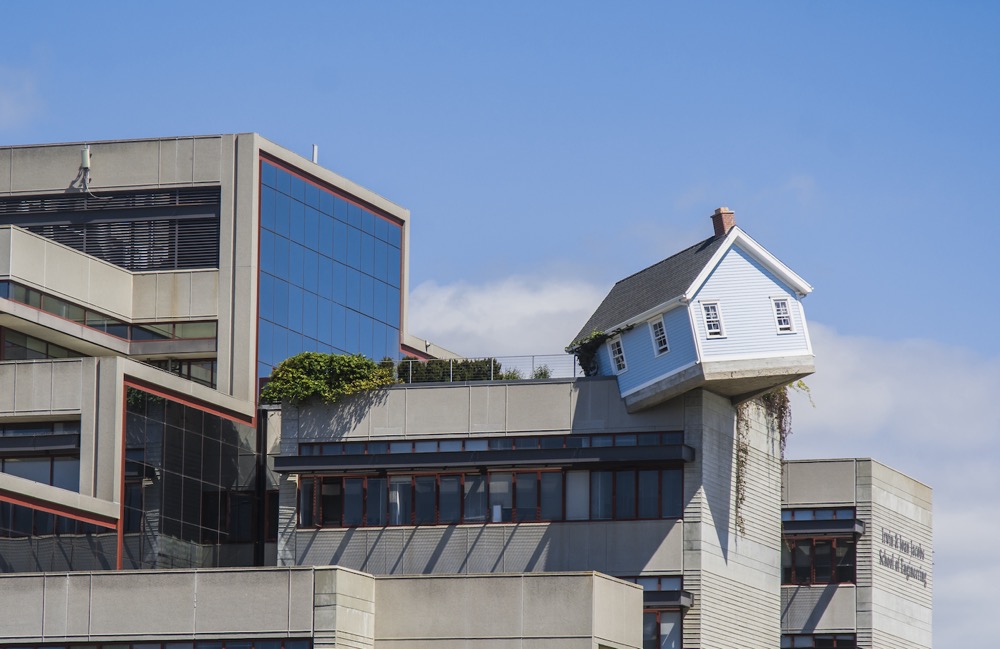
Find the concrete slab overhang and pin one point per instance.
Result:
(667, 599)
(631, 455)
(844, 527)
(739, 380)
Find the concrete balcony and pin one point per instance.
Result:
(84, 280)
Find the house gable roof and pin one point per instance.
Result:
(651, 287)
(676, 279)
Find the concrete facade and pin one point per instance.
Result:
(330, 607)
(462, 514)
(728, 578)
(889, 602)
(157, 253)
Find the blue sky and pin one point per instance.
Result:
(547, 150)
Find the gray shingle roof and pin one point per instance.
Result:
(655, 285)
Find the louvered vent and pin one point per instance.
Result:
(104, 202)
(161, 230)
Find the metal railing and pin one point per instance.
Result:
(488, 368)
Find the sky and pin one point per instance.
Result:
(546, 150)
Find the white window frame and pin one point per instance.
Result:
(721, 333)
(659, 350)
(617, 359)
(788, 328)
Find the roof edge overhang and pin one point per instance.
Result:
(669, 305)
(769, 261)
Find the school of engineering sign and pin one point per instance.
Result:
(900, 559)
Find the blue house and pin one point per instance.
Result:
(724, 315)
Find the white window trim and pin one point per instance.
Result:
(652, 334)
(704, 319)
(774, 310)
(611, 353)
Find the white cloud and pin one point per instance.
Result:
(921, 407)
(902, 396)
(928, 410)
(19, 100)
(515, 316)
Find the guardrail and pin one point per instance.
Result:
(488, 368)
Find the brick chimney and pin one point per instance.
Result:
(723, 220)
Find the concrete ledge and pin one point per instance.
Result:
(35, 493)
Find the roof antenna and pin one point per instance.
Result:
(85, 172)
(315, 154)
(85, 166)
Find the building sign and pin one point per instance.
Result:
(903, 556)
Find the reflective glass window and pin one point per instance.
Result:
(526, 496)
(354, 501)
(450, 499)
(332, 501)
(577, 495)
(501, 497)
(425, 446)
(551, 496)
(475, 499)
(600, 495)
(625, 494)
(672, 498)
(376, 502)
(400, 498)
(424, 488)
(306, 495)
(649, 493)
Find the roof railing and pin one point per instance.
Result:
(487, 368)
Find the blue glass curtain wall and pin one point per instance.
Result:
(330, 274)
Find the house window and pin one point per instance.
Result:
(806, 561)
(617, 355)
(713, 319)
(782, 315)
(659, 334)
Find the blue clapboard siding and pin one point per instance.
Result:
(643, 364)
(744, 288)
(604, 366)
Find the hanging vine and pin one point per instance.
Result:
(778, 412)
(585, 349)
(742, 459)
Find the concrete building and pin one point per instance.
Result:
(146, 287)
(857, 556)
(659, 468)
(303, 608)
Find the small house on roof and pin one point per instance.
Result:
(725, 315)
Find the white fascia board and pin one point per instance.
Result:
(769, 261)
(680, 300)
(749, 356)
(805, 327)
(695, 336)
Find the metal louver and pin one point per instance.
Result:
(146, 231)
(104, 202)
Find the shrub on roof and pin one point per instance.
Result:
(325, 376)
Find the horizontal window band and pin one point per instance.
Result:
(632, 455)
(34, 444)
